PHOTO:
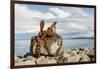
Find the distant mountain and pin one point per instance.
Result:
(81, 38)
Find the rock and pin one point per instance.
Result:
(47, 60)
(67, 54)
(91, 52)
(27, 54)
(51, 60)
(56, 58)
(53, 45)
(30, 58)
(28, 62)
(82, 52)
(17, 59)
(41, 60)
(74, 58)
(73, 52)
(86, 50)
(69, 59)
(81, 49)
(62, 60)
(84, 58)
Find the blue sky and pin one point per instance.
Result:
(44, 8)
(41, 8)
(70, 19)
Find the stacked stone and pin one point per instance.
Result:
(43, 42)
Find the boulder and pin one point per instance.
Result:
(66, 54)
(91, 52)
(41, 60)
(69, 56)
(74, 58)
(47, 60)
(30, 58)
(46, 42)
(17, 59)
(62, 60)
(27, 54)
(86, 50)
(51, 60)
(28, 62)
(69, 59)
(52, 46)
(73, 52)
(82, 52)
(84, 58)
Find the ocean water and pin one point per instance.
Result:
(23, 46)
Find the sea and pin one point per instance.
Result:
(23, 46)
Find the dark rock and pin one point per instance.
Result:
(30, 58)
(81, 49)
(27, 54)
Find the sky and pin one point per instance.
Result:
(71, 21)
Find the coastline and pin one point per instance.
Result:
(23, 46)
(75, 55)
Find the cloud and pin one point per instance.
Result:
(24, 12)
(70, 19)
(78, 21)
(75, 11)
(59, 12)
(72, 27)
(27, 20)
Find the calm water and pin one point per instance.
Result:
(22, 46)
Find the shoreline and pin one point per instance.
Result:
(75, 55)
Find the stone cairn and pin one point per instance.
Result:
(47, 42)
(47, 48)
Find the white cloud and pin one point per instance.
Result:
(25, 19)
(79, 21)
(75, 11)
(59, 12)
(79, 12)
(74, 19)
(42, 15)
(78, 26)
(72, 27)
(49, 15)
(22, 11)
